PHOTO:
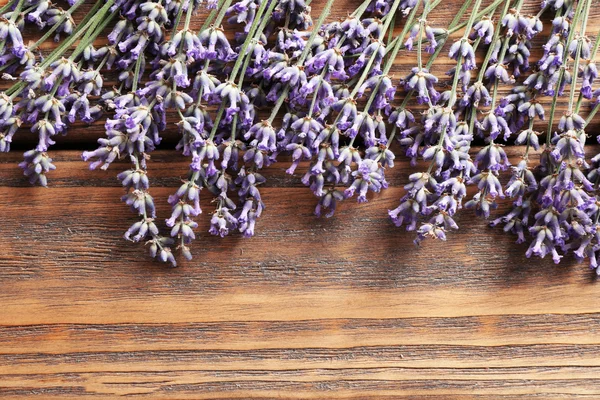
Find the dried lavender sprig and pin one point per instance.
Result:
(49, 102)
(370, 174)
(321, 145)
(222, 219)
(136, 126)
(490, 159)
(440, 123)
(562, 194)
(46, 101)
(65, 15)
(523, 185)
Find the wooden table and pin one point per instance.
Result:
(309, 308)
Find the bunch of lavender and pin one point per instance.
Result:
(140, 114)
(340, 113)
(558, 190)
(47, 92)
(522, 107)
(331, 82)
(491, 159)
(565, 195)
(442, 138)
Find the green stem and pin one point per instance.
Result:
(488, 55)
(250, 36)
(16, 11)
(315, 32)
(561, 75)
(592, 60)
(595, 48)
(256, 36)
(222, 12)
(443, 37)
(65, 15)
(315, 95)
(136, 73)
(592, 113)
(361, 9)
(455, 82)
(398, 44)
(217, 121)
(422, 22)
(367, 69)
(6, 7)
(178, 18)
(58, 52)
(280, 100)
(494, 95)
(90, 38)
(578, 56)
(471, 19)
(391, 32)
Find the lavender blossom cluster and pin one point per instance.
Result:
(340, 116)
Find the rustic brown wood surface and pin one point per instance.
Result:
(345, 307)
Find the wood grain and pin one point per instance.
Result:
(309, 308)
(85, 314)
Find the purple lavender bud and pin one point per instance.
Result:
(463, 49)
(423, 83)
(36, 165)
(492, 157)
(328, 202)
(589, 74)
(377, 50)
(484, 29)
(498, 72)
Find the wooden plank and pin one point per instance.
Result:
(310, 308)
(367, 315)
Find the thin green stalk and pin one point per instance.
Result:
(178, 18)
(315, 95)
(222, 12)
(390, 60)
(361, 9)
(391, 32)
(450, 105)
(422, 22)
(58, 52)
(591, 60)
(217, 120)
(305, 52)
(561, 74)
(488, 55)
(136, 73)
(16, 11)
(367, 68)
(472, 17)
(315, 32)
(592, 113)
(443, 37)
(250, 36)
(279, 103)
(562, 69)
(90, 39)
(578, 56)
(65, 15)
(398, 44)
(459, 60)
(6, 7)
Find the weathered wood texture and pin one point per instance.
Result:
(344, 307)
